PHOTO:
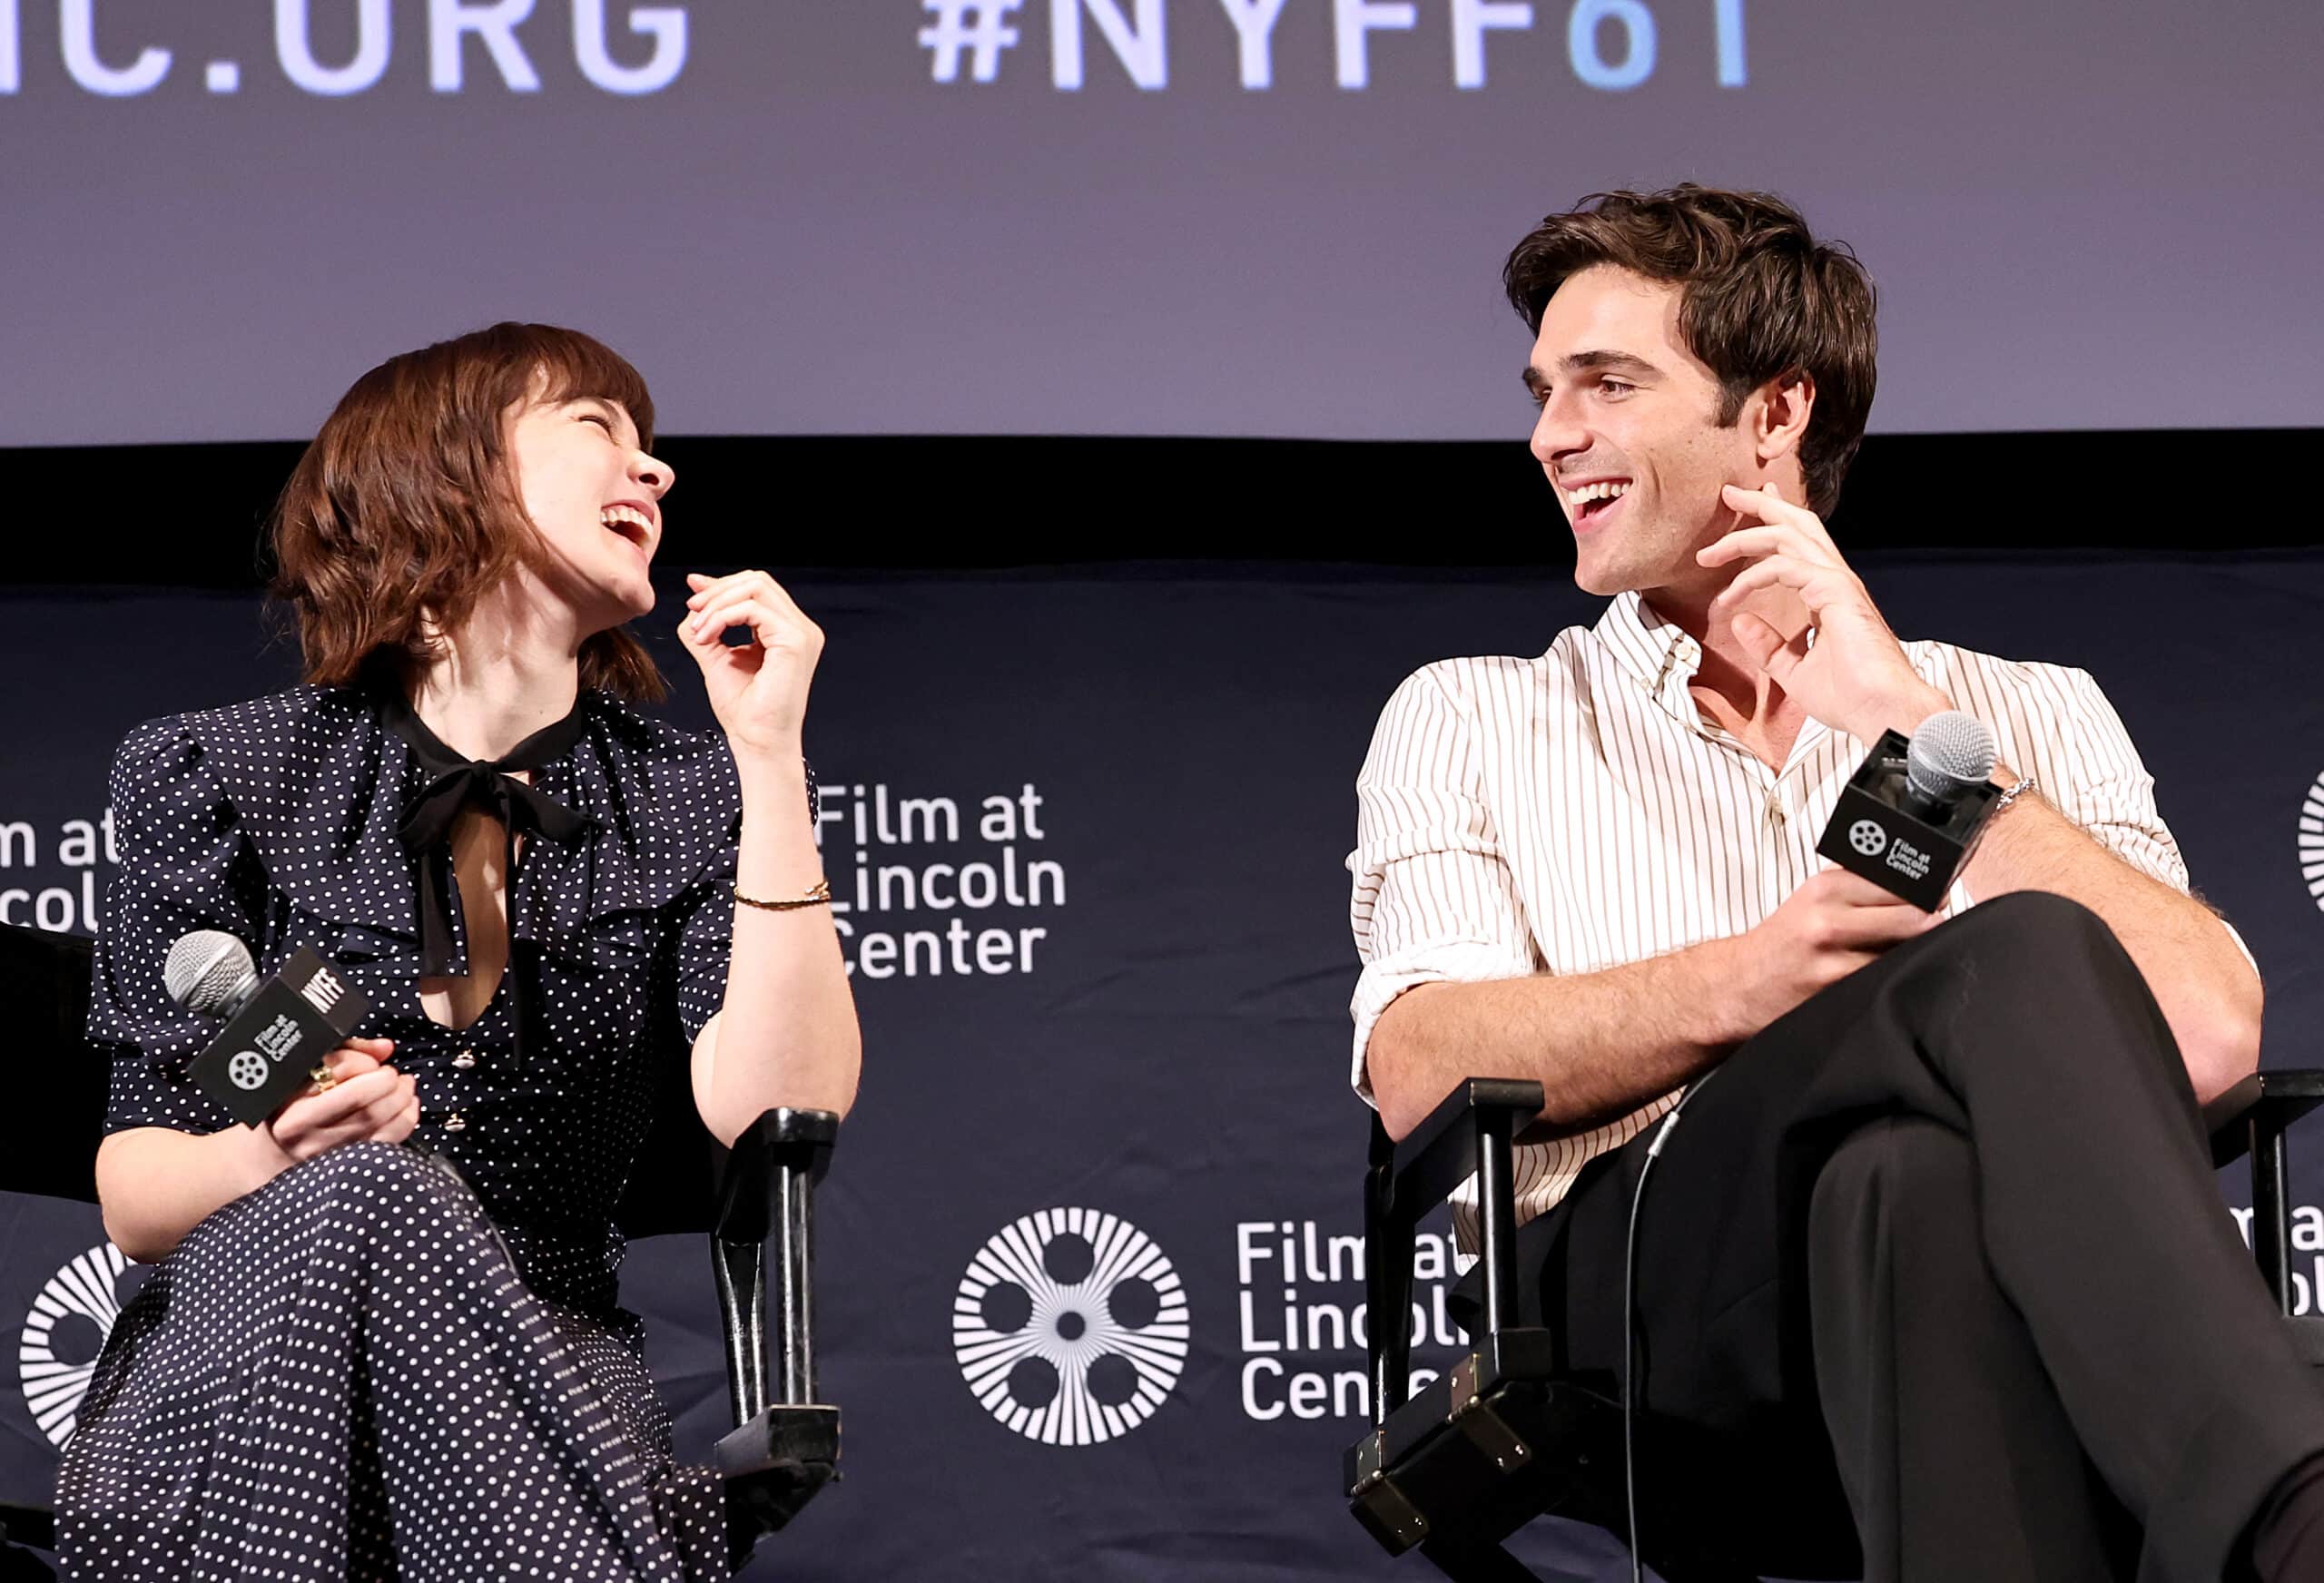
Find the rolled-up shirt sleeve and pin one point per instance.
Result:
(2110, 793)
(2057, 724)
(2104, 785)
(2053, 723)
(1431, 899)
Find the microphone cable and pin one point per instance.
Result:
(1630, 1323)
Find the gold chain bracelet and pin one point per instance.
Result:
(819, 894)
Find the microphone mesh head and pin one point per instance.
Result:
(210, 973)
(1950, 752)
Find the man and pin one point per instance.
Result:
(1941, 1236)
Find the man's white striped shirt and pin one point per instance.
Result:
(1574, 812)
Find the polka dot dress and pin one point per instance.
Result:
(404, 1361)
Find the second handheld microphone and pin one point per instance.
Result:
(277, 1031)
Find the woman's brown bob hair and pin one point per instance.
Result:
(405, 509)
(1760, 298)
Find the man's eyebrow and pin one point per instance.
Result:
(1626, 362)
(1583, 362)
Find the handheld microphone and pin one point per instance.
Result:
(1910, 816)
(1950, 756)
(277, 1031)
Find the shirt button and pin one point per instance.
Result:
(464, 1060)
(455, 1123)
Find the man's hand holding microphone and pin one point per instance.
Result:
(1855, 679)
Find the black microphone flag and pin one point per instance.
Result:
(1891, 832)
(271, 1044)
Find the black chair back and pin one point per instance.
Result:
(59, 1078)
(673, 1186)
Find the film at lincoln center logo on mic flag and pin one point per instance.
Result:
(1071, 1326)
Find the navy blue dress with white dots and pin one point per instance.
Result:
(375, 1366)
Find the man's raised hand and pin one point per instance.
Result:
(1857, 678)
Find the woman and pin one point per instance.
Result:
(355, 1359)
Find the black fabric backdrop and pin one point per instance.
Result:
(1171, 1047)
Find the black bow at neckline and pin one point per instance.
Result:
(453, 784)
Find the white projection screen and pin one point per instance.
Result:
(1270, 218)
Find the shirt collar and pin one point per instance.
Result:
(1662, 659)
(1659, 656)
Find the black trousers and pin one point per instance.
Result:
(1934, 1281)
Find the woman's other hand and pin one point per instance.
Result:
(758, 690)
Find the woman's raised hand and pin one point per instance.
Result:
(758, 690)
(369, 1100)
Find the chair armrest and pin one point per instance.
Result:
(781, 1140)
(1441, 1152)
(2268, 1100)
(766, 1204)
(784, 1446)
(1505, 1434)
(2252, 1115)
(1468, 1135)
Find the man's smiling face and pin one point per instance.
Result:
(1628, 433)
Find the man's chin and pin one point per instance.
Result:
(1602, 581)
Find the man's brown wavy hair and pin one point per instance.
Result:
(1760, 298)
(405, 510)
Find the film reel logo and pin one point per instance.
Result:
(1071, 1326)
(63, 1333)
(2311, 840)
(1866, 837)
